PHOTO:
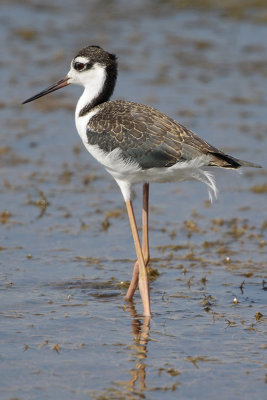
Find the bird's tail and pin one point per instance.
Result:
(248, 164)
(225, 161)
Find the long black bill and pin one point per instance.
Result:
(52, 88)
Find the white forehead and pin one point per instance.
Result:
(81, 59)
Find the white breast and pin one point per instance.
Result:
(82, 122)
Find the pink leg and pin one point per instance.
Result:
(143, 278)
(145, 244)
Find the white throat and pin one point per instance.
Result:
(93, 82)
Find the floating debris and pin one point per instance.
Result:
(230, 323)
(258, 316)
(26, 33)
(5, 216)
(173, 372)
(259, 189)
(208, 301)
(153, 274)
(55, 347)
(42, 203)
(242, 287)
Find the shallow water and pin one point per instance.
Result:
(66, 249)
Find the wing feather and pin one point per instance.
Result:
(149, 137)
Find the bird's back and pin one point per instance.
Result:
(150, 138)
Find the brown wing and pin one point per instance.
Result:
(149, 137)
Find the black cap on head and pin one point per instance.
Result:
(98, 55)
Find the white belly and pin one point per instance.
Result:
(127, 173)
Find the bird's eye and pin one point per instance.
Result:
(79, 66)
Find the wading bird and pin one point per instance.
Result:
(135, 144)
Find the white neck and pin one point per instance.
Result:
(93, 82)
(86, 98)
(81, 122)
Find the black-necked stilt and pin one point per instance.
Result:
(136, 144)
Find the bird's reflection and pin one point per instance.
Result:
(140, 331)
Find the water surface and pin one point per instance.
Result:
(66, 249)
